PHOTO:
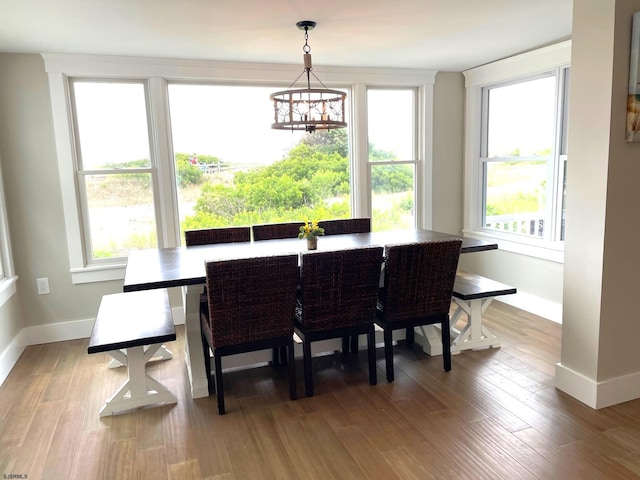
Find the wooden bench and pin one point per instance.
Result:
(473, 293)
(126, 323)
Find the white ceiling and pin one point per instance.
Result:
(444, 35)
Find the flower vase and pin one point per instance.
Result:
(312, 243)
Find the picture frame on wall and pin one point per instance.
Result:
(633, 99)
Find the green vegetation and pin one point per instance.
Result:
(312, 181)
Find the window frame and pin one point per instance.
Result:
(530, 65)
(158, 73)
(8, 278)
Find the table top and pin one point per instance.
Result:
(180, 266)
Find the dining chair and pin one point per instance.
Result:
(418, 285)
(337, 298)
(210, 236)
(346, 225)
(272, 231)
(251, 306)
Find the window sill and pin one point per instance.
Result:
(101, 273)
(7, 289)
(510, 243)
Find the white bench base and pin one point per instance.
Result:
(120, 359)
(475, 335)
(140, 389)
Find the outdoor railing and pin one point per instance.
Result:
(526, 224)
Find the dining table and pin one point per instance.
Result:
(184, 267)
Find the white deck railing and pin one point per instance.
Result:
(526, 223)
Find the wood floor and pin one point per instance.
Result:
(496, 415)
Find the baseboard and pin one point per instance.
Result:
(533, 304)
(54, 332)
(598, 394)
(10, 355)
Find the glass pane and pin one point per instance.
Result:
(391, 124)
(121, 213)
(521, 118)
(233, 169)
(516, 197)
(112, 125)
(392, 197)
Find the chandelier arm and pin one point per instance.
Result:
(320, 81)
(298, 78)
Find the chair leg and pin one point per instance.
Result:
(308, 376)
(345, 345)
(275, 357)
(388, 353)
(371, 347)
(446, 344)
(410, 336)
(219, 387)
(293, 391)
(283, 355)
(207, 363)
(355, 343)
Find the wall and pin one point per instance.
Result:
(34, 204)
(601, 364)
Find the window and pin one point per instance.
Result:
(518, 175)
(391, 124)
(115, 174)
(150, 147)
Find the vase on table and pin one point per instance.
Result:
(312, 243)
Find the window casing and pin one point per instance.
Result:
(7, 274)
(156, 75)
(515, 157)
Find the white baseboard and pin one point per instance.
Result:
(598, 394)
(54, 332)
(533, 304)
(10, 355)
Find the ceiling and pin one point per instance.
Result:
(442, 35)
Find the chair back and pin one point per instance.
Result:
(339, 289)
(210, 236)
(272, 231)
(346, 225)
(251, 299)
(418, 279)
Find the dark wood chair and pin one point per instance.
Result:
(272, 231)
(337, 298)
(251, 306)
(210, 236)
(346, 225)
(418, 285)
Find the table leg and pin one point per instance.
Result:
(193, 343)
(140, 389)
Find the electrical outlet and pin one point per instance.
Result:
(43, 286)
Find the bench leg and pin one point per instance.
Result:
(139, 390)
(474, 335)
(163, 353)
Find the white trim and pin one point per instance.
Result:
(7, 289)
(97, 273)
(509, 243)
(598, 394)
(10, 355)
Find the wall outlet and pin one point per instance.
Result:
(43, 286)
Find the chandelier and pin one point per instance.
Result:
(308, 109)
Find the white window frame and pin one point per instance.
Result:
(157, 73)
(8, 278)
(509, 70)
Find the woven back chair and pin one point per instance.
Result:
(418, 285)
(251, 306)
(337, 299)
(210, 236)
(346, 225)
(272, 231)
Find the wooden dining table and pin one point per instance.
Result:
(185, 267)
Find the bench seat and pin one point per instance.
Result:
(131, 327)
(472, 294)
